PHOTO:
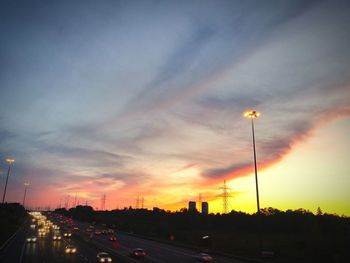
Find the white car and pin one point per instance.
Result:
(103, 257)
(56, 237)
(70, 249)
(31, 239)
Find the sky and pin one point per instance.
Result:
(145, 100)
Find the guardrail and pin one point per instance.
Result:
(6, 244)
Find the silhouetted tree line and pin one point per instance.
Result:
(12, 215)
(293, 234)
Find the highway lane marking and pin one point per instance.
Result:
(24, 245)
(82, 256)
(149, 257)
(151, 243)
(160, 245)
(22, 252)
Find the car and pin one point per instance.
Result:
(97, 232)
(56, 237)
(41, 232)
(138, 253)
(70, 249)
(110, 231)
(31, 239)
(67, 234)
(204, 257)
(112, 239)
(103, 257)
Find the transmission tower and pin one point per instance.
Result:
(75, 200)
(225, 197)
(66, 205)
(137, 202)
(103, 202)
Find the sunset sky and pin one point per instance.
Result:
(146, 98)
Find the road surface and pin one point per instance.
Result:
(88, 244)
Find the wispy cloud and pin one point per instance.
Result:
(132, 98)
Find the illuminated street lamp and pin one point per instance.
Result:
(252, 115)
(9, 162)
(25, 192)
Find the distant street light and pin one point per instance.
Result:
(25, 192)
(252, 115)
(9, 162)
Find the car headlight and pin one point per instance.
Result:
(109, 260)
(102, 260)
(28, 239)
(74, 250)
(67, 250)
(34, 239)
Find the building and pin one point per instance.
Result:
(192, 206)
(205, 208)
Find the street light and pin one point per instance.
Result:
(253, 115)
(25, 192)
(9, 162)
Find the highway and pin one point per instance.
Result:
(157, 252)
(88, 244)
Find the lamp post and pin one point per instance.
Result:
(9, 162)
(253, 115)
(25, 193)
